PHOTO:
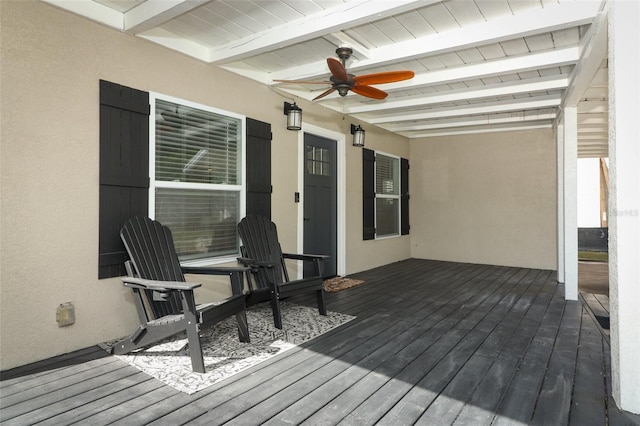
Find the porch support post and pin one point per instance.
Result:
(624, 202)
(560, 219)
(570, 205)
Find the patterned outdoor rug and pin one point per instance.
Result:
(333, 285)
(224, 354)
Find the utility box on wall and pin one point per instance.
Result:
(65, 314)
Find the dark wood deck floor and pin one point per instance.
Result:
(434, 343)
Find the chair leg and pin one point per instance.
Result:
(195, 349)
(322, 307)
(193, 336)
(277, 313)
(243, 327)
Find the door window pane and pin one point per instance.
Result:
(318, 161)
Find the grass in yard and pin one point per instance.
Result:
(594, 256)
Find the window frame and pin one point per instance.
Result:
(397, 175)
(241, 188)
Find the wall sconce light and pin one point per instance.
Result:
(358, 135)
(294, 116)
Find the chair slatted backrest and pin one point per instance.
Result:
(153, 255)
(260, 242)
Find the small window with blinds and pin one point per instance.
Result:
(197, 184)
(387, 181)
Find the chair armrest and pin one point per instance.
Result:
(305, 256)
(252, 263)
(162, 286)
(233, 272)
(213, 270)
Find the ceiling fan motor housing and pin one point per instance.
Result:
(344, 53)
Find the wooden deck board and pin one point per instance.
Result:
(472, 367)
(483, 405)
(433, 343)
(519, 398)
(589, 396)
(553, 402)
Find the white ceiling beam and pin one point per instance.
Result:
(345, 15)
(601, 79)
(92, 10)
(593, 119)
(604, 126)
(593, 107)
(593, 145)
(593, 136)
(600, 130)
(152, 13)
(522, 25)
(503, 89)
(540, 21)
(533, 61)
(488, 107)
(487, 129)
(524, 116)
(182, 45)
(593, 51)
(601, 153)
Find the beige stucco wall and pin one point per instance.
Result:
(485, 198)
(51, 64)
(482, 198)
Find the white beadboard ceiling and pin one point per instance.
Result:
(480, 65)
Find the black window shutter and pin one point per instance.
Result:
(124, 169)
(368, 194)
(404, 196)
(258, 164)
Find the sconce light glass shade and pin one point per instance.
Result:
(294, 116)
(358, 135)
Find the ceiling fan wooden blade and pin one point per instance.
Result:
(302, 81)
(337, 69)
(369, 92)
(383, 77)
(325, 93)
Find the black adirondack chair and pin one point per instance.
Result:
(261, 252)
(165, 302)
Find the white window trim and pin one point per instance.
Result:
(153, 184)
(395, 197)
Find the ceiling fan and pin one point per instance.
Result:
(342, 81)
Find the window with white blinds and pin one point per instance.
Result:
(387, 181)
(197, 188)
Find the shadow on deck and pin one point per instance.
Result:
(433, 343)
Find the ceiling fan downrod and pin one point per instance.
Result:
(344, 53)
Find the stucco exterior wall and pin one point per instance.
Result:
(52, 62)
(485, 198)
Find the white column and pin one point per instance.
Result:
(624, 201)
(570, 189)
(560, 177)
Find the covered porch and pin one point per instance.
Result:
(433, 343)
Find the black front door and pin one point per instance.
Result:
(320, 200)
